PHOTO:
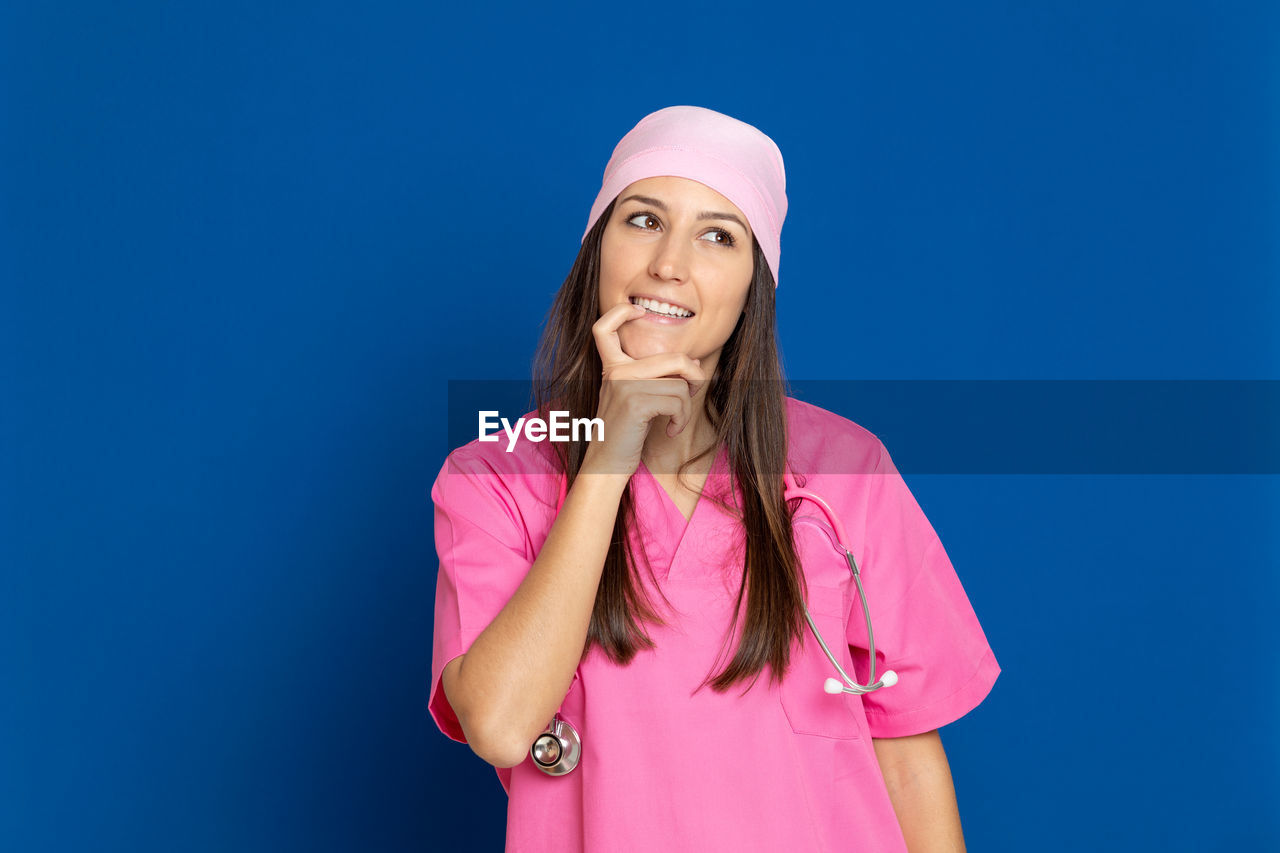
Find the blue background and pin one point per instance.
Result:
(244, 247)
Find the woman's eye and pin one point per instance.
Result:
(728, 238)
(644, 216)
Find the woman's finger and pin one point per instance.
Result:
(661, 401)
(605, 331)
(664, 365)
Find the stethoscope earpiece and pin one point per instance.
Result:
(557, 750)
(833, 685)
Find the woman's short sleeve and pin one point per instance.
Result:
(484, 555)
(925, 628)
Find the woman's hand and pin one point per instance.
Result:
(627, 406)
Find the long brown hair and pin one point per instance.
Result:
(746, 405)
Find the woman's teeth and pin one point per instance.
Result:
(655, 307)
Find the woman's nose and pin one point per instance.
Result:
(671, 259)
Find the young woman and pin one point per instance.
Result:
(648, 592)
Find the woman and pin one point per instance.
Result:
(637, 585)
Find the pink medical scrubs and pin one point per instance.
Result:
(668, 766)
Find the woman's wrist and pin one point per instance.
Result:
(601, 481)
(603, 469)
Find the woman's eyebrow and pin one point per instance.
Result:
(706, 214)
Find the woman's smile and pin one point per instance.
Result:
(662, 313)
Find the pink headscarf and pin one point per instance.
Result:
(729, 156)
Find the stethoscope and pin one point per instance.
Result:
(558, 749)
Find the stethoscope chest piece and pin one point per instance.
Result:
(557, 750)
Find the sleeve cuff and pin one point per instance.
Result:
(441, 711)
(937, 714)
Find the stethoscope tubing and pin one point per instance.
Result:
(850, 685)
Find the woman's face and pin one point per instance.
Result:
(676, 241)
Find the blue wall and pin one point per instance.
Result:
(244, 248)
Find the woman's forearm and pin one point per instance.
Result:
(918, 778)
(516, 673)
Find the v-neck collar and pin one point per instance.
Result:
(720, 461)
(671, 529)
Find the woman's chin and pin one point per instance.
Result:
(645, 345)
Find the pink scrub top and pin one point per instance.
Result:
(665, 765)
